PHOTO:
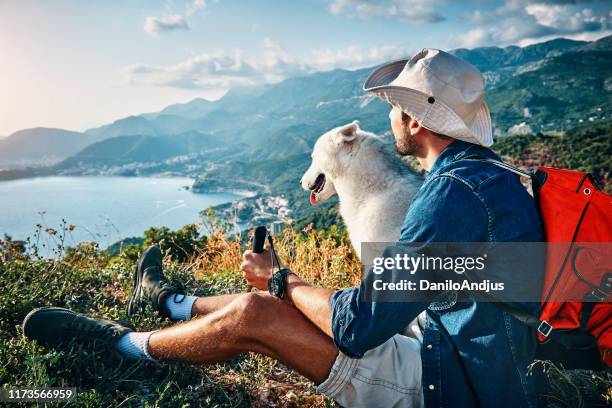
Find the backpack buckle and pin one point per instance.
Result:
(598, 295)
(545, 328)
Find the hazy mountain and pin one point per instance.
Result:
(552, 85)
(132, 125)
(140, 149)
(191, 110)
(299, 109)
(41, 145)
(534, 84)
(601, 44)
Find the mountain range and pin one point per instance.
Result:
(40, 146)
(553, 85)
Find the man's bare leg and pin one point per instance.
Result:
(254, 322)
(209, 304)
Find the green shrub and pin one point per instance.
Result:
(180, 245)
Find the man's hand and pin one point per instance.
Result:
(257, 268)
(313, 302)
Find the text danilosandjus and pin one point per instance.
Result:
(448, 285)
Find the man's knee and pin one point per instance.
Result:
(256, 307)
(252, 315)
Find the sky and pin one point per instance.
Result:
(76, 64)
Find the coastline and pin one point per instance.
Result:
(103, 209)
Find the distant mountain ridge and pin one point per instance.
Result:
(140, 149)
(547, 86)
(493, 58)
(190, 110)
(287, 117)
(41, 146)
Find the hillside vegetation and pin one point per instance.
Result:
(588, 149)
(88, 280)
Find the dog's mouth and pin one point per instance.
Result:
(316, 189)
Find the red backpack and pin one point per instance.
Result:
(577, 219)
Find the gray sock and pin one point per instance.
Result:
(135, 345)
(179, 306)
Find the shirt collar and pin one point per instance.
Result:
(456, 151)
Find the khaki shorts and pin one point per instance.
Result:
(387, 376)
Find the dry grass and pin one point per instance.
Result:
(319, 257)
(85, 280)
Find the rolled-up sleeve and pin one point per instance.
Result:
(359, 325)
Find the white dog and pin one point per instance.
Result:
(374, 187)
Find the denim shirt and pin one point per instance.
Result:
(473, 353)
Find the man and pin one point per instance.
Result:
(472, 354)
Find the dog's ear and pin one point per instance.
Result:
(348, 133)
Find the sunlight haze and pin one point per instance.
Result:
(77, 65)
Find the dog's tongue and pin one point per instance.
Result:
(313, 198)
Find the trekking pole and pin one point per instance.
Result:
(259, 238)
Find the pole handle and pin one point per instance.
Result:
(259, 238)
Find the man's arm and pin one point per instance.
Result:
(312, 301)
(334, 313)
(355, 326)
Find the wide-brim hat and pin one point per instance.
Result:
(443, 92)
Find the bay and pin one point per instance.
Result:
(102, 209)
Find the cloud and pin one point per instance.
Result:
(277, 64)
(475, 17)
(565, 1)
(159, 25)
(356, 57)
(223, 70)
(526, 22)
(564, 18)
(220, 69)
(205, 71)
(420, 11)
(194, 7)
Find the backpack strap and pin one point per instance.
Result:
(537, 177)
(575, 339)
(506, 166)
(544, 328)
(541, 326)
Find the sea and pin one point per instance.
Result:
(53, 211)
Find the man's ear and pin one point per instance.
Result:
(348, 133)
(414, 126)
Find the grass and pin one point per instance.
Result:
(88, 280)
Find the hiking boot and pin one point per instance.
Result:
(149, 284)
(56, 326)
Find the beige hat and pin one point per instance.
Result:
(443, 92)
